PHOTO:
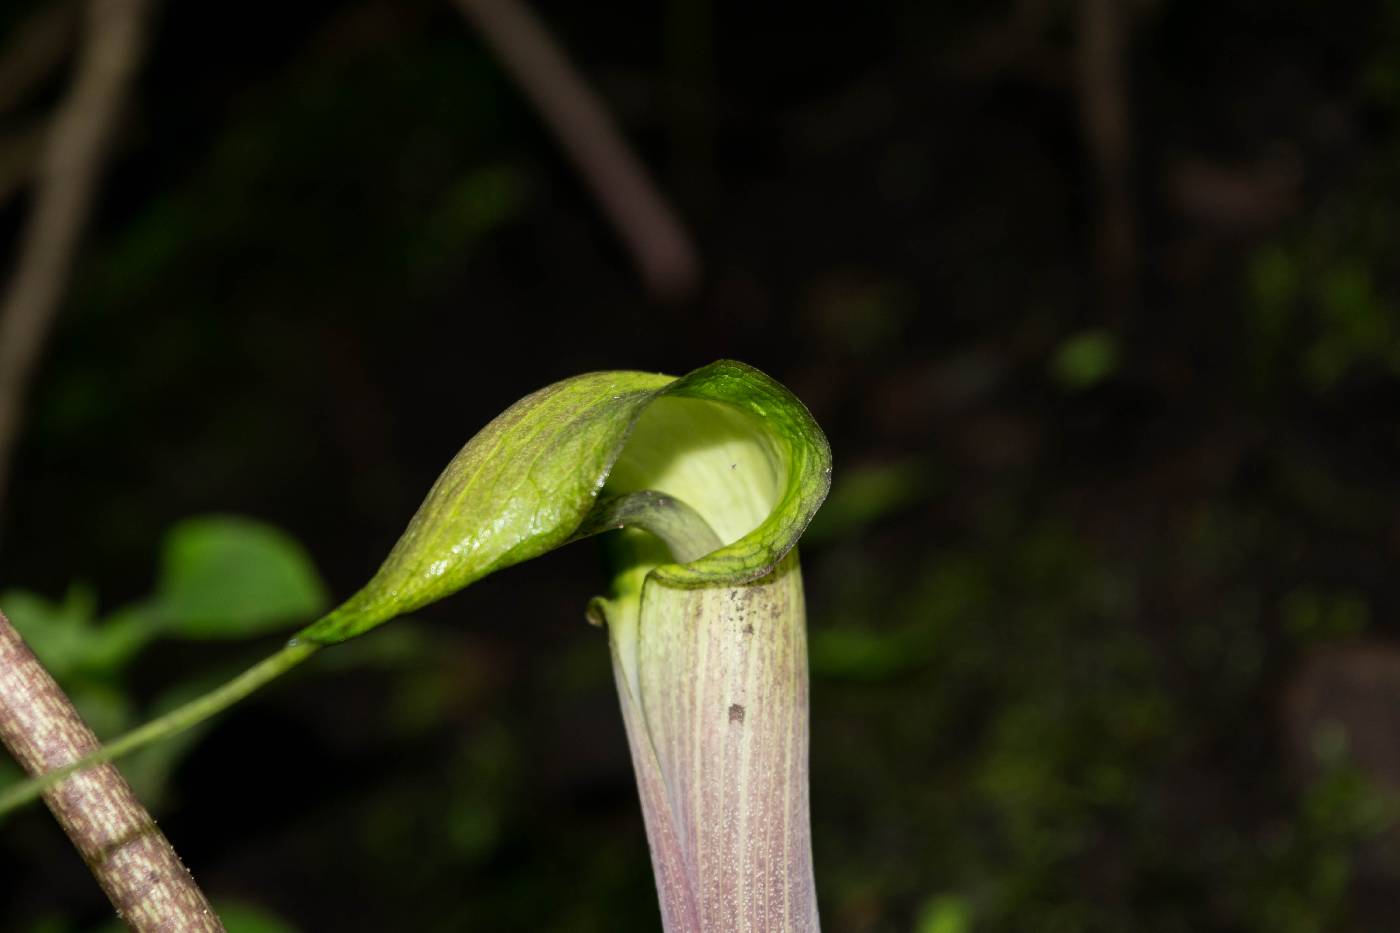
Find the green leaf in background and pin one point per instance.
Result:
(868, 494)
(860, 654)
(230, 577)
(120, 636)
(57, 632)
(67, 637)
(245, 918)
(1085, 359)
(106, 709)
(526, 483)
(947, 913)
(238, 917)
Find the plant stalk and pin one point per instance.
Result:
(573, 111)
(131, 859)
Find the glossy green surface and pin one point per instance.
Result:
(725, 439)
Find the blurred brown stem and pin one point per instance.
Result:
(1103, 96)
(131, 859)
(649, 228)
(34, 50)
(19, 156)
(67, 177)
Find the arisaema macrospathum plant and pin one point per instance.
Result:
(707, 481)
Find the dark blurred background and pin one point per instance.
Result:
(1097, 300)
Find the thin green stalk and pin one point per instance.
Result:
(173, 722)
(681, 527)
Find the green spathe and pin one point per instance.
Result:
(725, 439)
(706, 623)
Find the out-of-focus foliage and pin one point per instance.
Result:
(867, 493)
(1322, 301)
(1060, 737)
(1085, 359)
(238, 917)
(221, 577)
(68, 638)
(944, 914)
(227, 577)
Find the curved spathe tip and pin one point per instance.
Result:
(526, 482)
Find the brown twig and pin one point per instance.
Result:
(1104, 28)
(132, 860)
(67, 176)
(19, 157)
(34, 50)
(649, 228)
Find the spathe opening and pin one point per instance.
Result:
(715, 458)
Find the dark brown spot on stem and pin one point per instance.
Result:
(736, 713)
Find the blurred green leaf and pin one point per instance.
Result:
(947, 913)
(49, 925)
(56, 632)
(1310, 615)
(860, 654)
(866, 494)
(105, 709)
(1274, 285)
(10, 773)
(229, 577)
(119, 636)
(238, 917)
(67, 637)
(245, 918)
(1085, 359)
(1275, 282)
(471, 208)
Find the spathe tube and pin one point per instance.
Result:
(713, 687)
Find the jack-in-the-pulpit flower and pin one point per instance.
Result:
(711, 666)
(711, 477)
(723, 469)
